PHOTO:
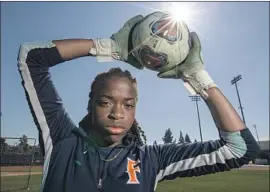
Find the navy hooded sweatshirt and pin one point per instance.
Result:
(71, 164)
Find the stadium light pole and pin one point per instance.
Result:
(197, 98)
(255, 127)
(234, 81)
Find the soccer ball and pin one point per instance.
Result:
(160, 42)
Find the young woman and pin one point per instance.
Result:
(107, 151)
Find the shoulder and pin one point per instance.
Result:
(28, 46)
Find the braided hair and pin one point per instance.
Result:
(135, 134)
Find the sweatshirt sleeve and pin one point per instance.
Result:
(232, 150)
(50, 117)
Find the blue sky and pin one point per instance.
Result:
(235, 40)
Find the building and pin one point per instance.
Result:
(264, 157)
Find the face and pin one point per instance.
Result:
(113, 109)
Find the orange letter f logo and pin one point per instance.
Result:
(131, 170)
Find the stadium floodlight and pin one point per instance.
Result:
(197, 98)
(256, 131)
(234, 81)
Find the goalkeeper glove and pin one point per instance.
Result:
(117, 47)
(192, 71)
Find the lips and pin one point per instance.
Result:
(115, 129)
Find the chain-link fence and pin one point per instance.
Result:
(20, 158)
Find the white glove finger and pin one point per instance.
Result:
(173, 73)
(131, 22)
(195, 41)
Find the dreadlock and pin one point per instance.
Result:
(135, 134)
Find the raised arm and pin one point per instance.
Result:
(73, 48)
(34, 61)
(232, 150)
(236, 145)
(225, 116)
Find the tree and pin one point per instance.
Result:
(195, 141)
(3, 144)
(174, 141)
(181, 138)
(24, 143)
(168, 138)
(187, 139)
(155, 142)
(2, 141)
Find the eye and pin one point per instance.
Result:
(104, 103)
(129, 106)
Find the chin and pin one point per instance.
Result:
(111, 139)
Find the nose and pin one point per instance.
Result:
(117, 113)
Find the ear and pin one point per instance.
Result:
(90, 105)
(135, 87)
(90, 109)
(135, 122)
(84, 122)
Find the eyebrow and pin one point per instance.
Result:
(110, 97)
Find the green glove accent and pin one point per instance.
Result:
(192, 69)
(122, 38)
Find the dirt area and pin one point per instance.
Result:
(7, 171)
(21, 168)
(37, 170)
(8, 174)
(256, 167)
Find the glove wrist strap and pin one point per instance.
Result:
(105, 49)
(200, 81)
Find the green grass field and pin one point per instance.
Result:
(233, 181)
